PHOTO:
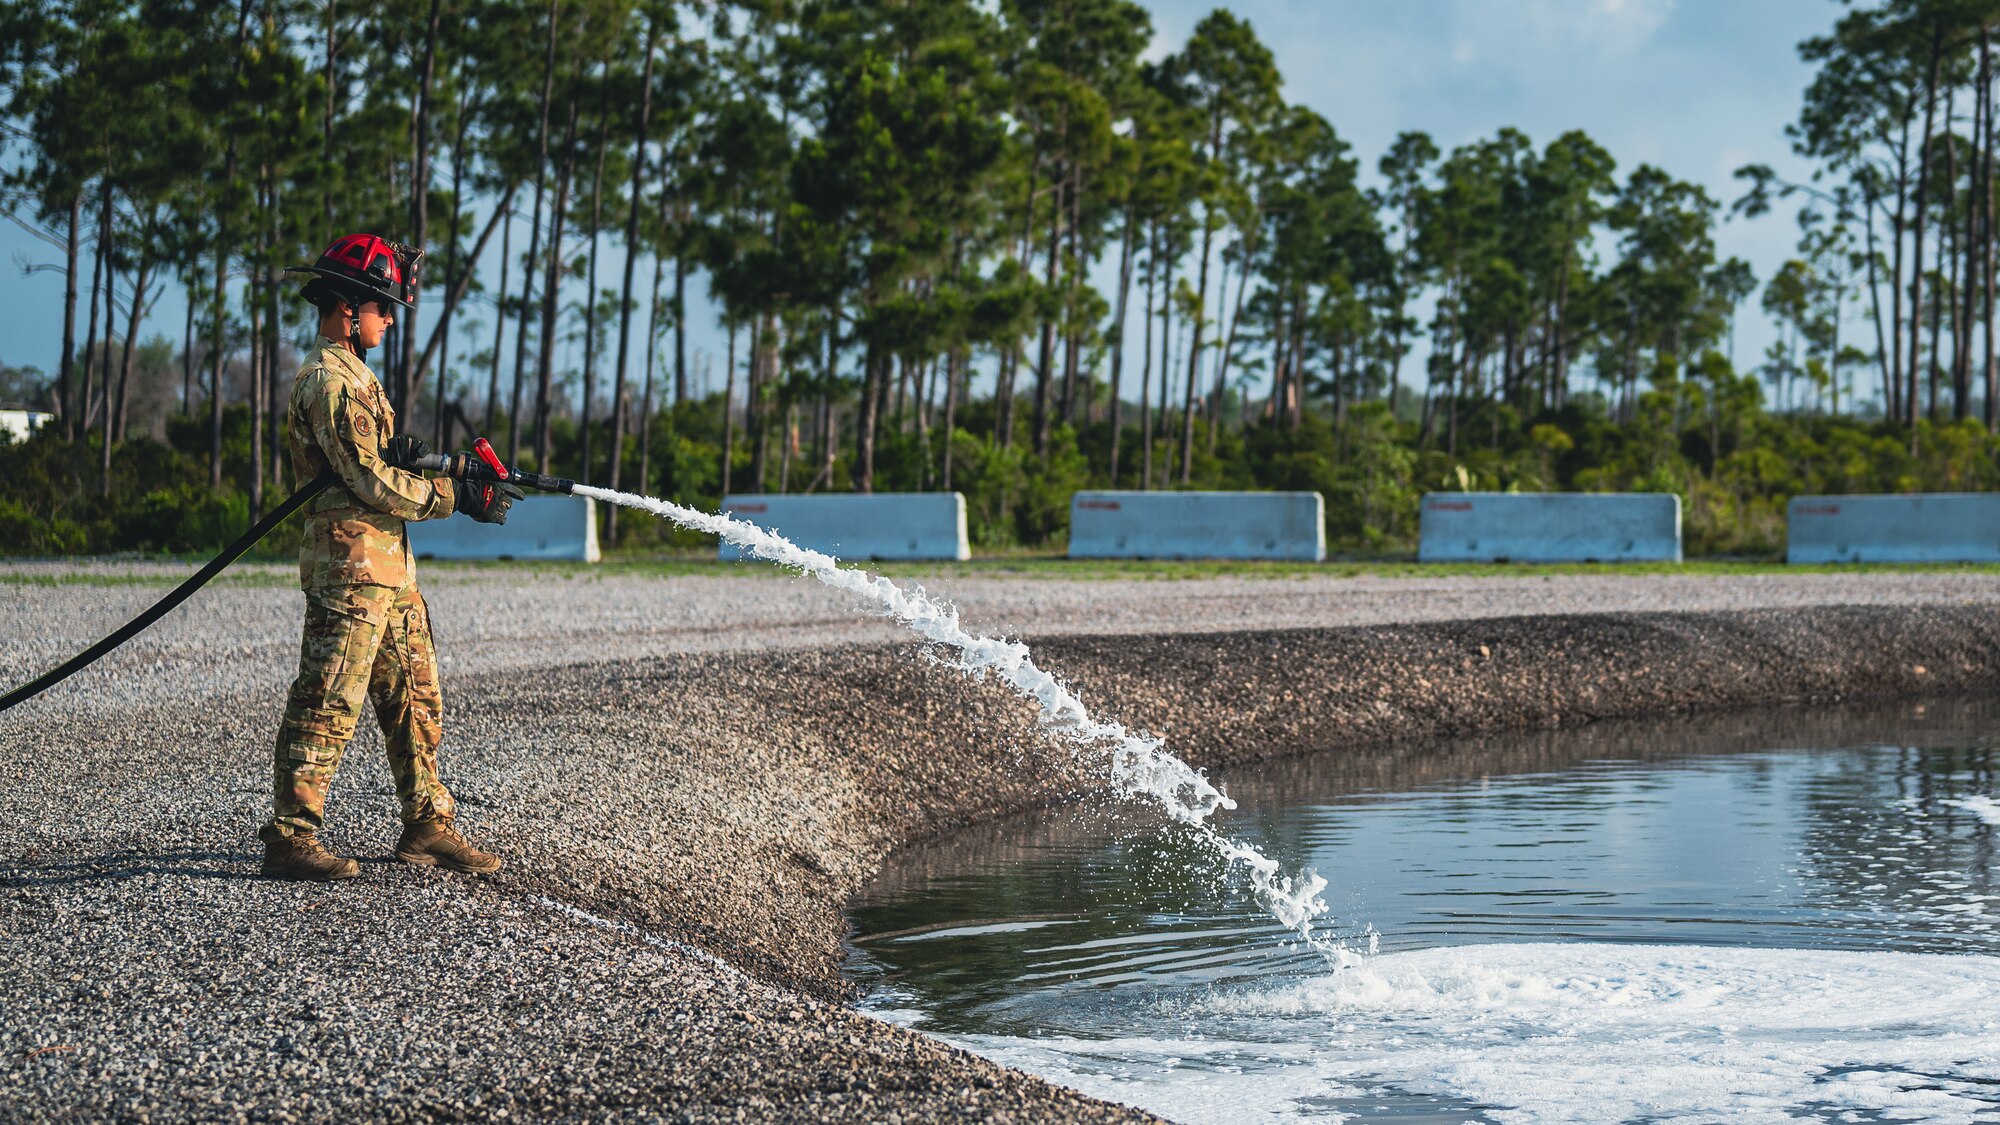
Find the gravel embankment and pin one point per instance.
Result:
(689, 777)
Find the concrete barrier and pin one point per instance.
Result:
(860, 525)
(1197, 525)
(1921, 527)
(1550, 527)
(538, 527)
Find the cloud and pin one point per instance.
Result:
(1549, 29)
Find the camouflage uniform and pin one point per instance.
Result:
(367, 631)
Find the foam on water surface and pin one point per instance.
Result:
(1138, 765)
(1582, 1033)
(1983, 807)
(1687, 921)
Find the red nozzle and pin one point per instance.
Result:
(485, 450)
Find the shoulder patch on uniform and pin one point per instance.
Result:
(362, 425)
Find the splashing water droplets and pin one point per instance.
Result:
(1139, 765)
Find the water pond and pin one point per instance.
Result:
(1792, 915)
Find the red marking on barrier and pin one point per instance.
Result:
(1818, 509)
(1099, 505)
(749, 507)
(1450, 505)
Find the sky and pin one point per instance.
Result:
(1697, 87)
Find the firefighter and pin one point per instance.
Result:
(367, 629)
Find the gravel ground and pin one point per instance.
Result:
(689, 777)
(239, 638)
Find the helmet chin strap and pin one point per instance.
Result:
(353, 340)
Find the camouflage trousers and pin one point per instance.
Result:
(361, 641)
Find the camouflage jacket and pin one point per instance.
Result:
(354, 534)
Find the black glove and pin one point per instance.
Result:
(487, 503)
(403, 450)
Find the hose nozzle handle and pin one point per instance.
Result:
(484, 449)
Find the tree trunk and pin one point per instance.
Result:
(551, 283)
(1337, 384)
(680, 324)
(1281, 354)
(1917, 242)
(1893, 393)
(420, 214)
(631, 260)
(646, 396)
(253, 309)
(1874, 299)
(1125, 250)
(926, 385)
(274, 386)
(1075, 271)
(788, 444)
(90, 350)
(1045, 373)
(1195, 361)
(864, 436)
(451, 271)
(1297, 396)
(216, 326)
(116, 410)
(829, 440)
(1229, 345)
(1986, 142)
(1166, 375)
(1003, 412)
(1213, 396)
(1194, 349)
(1961, 308)
(187, 354)
(1937, 331)
(331, 81)
(1146, 366)
(499, 314)
(763, 372)
(729, 414)
(954, 372)
(142, 283)
(72, 245)
(590, 285)
(115, 399)
(534, 239)
(216, 309)
(898, 413)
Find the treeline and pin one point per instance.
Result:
(1734, 470)
(975, 246)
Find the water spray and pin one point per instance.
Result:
(1139, 764)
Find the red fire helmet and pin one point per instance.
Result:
(365, 267)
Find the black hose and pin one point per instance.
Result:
(180, 594)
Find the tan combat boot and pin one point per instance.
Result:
(302, 856)
(435, 843)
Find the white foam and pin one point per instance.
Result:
(1985, 808)
(986, 930)
(1577, 1033)
(1195, 1081)
(1137, 765)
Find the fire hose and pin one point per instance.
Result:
(482, 465)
